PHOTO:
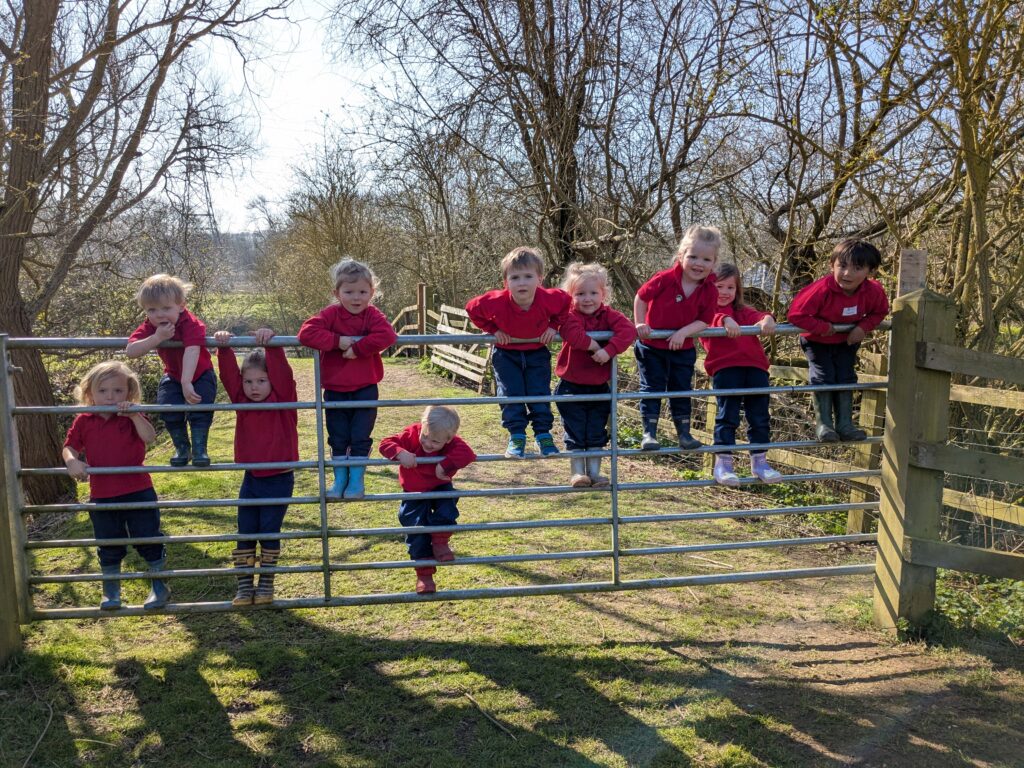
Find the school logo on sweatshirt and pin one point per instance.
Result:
(850, 311)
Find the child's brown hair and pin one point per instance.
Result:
(726, 270)
(859, 253)
(352, 271)
(160, 286)
(522, 257)
(101, 371)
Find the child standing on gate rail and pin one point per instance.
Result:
(116, 440)
(585, 365)
(845, 295)
(188, 371)
(350, 369)
(435, 435)
(739, 362)
(681, 297)
(524, 309)
(260, 436)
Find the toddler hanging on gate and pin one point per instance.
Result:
(682, 298)
(739, 362)
(116, 440)
(523, 310)
(845, 295)
(188, 370)
(351, 334)
(435, 436)
(584, 366)
(260, 437)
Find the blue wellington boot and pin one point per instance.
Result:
(340, 481)
(355, 488)
(159, 593)
(111, 589)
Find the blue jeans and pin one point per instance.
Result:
(831, 363)
(664, 370)
(426, 512)
(349, 429)
(127, 523)
(169, 393)
(727, 418)
(586, 424)
(521, 373)
(265, 518)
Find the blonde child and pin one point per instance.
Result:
(188, 370)
(524, 309)
(260, 437)
(845, 295)
(116, 440)
(435, 435)
(681, 297)
(350, 369)
(739, 362)
(584, 366)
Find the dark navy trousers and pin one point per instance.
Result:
(427, 512)
(664, 370)
(349, 429)
(127, 523)
(831, 363)
(169, 393)
(264, 518)
(585, 424)
(519, 373)
(727, 418)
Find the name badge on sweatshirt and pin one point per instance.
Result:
(849, 311)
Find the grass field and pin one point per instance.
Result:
(769, 674)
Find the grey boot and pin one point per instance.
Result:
(594, 470)
(578, 467)
(159, 593)
(650, 438)
(182, 447)
(686, 441)
(825, 429)
(111, 589)
(847, 430)
(199, 437)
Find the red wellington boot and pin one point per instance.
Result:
(439, 544)
(425, 581)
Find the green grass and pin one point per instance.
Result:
(778, 674)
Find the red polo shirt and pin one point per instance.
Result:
(668, 308)
(824, 303)
(574, 361)
(337, 372)
(741, 352)
(109, 442)
(457, 454)
(190, 331)
(498, 311)
(263, 435)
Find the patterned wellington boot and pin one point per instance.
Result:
(244, 558)
(265, 587)
(723, 472)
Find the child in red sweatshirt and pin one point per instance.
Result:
(584, 366)
(523, 310)
(845, 295)
(739, 362)
(260, 436)
(435, 436)
(351, 334)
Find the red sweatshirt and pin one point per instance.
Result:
(190, 331)
(109, 442)
(337, 372)
(457, 454)
(497, 311)
(263, 435)
(669, 309)
(574, 362)
(741, 352)
(824, 303)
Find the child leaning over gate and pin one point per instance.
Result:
(584, 366)
(523, 310)
(681, 297)
(116, 440)
(739, 362)
(349, 369)
(435, 435)
(260, 436)
(188, 371)
(845, 295)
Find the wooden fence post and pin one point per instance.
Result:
(421, 314)
(917, 409)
